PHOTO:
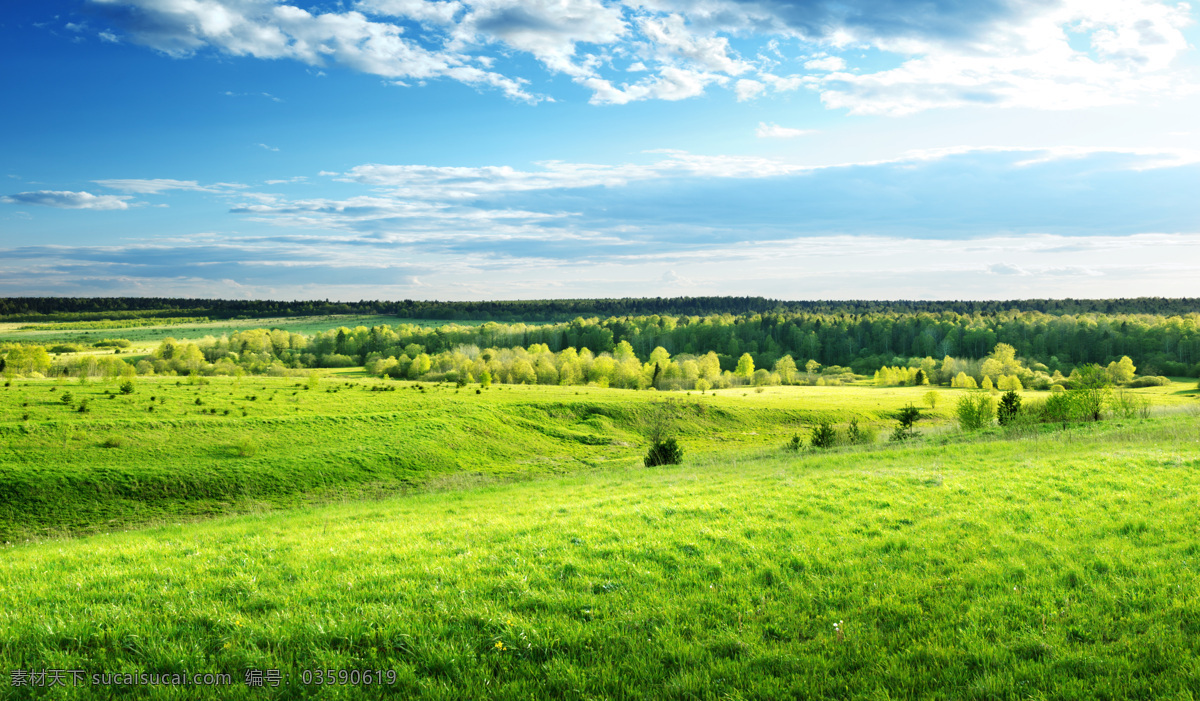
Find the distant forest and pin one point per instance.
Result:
(32, 309)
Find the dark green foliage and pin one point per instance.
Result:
(906, 420)
(664, 452)
(66, 398)
(127, 387)
(1010, 406)
(824, 435)
(795, 444)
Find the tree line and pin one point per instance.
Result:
(16, 309)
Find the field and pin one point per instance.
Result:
(508, 543)
(1057, 566)
(146, 337)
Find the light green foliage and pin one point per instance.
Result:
(975, 411)
(720, 578)
(964, 381)
(931, 398)
(1120, 372)
(745, 366)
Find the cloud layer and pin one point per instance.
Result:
(66, 199)
(1054, 55)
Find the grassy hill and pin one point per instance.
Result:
(1060, 565)
(175, 450)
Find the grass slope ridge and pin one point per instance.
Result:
(231, 446)
(1062, 566)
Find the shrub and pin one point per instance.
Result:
(1061, 407)
(1010, 406)
(127, 387)
(858, 435)
(66, 398)
(975, 411)
(795, 444)
(824, 435)
(112, 442)
(1128, 405)
(931, 398)
(906, 423)
(664, 452)
(1150, 381)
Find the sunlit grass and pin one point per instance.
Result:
(1061, 566)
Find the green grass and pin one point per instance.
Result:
(254, 444)
(1059, 566)
(173, 449)
(147, 336)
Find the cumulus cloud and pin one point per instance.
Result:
(65, 199)
(774, 131)
(1008, 53)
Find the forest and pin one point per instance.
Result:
(44, 309)
(670, 352)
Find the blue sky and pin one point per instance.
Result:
(585, 148)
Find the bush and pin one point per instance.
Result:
(127, 387)
(906, 423)
(1128, 405)
(1010, 406)
(975, 411)
(858, 435)
(664, 452)
(824, 435)
(795, 444)
(112, 442)
(1061, 407)
(1150, 381)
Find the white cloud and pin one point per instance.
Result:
(65, 199)
(774, 131)
(1006, 54)
(828, 63)
(154, 186)
(748, 89)
(268, 148)
(1029, 63)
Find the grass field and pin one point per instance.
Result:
(508, 543)
(1056, 566)
(145, 337)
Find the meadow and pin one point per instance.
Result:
(200, 446)
(356, 537)
(1059, 565)
(147, 334)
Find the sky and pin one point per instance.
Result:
(529, 149)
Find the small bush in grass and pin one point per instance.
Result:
(664, 452)
(975, 411)
(66, 397)
(859, 435)
(824, 435)
(127, 387)
(795, 444)
(931, 398)
(112, 442)
(906, 419)
(245, 448)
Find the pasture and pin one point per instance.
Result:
(1061, 565)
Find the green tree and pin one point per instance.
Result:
(745, 366)
(906, 420)
(1121, 372)
(1010, 406)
